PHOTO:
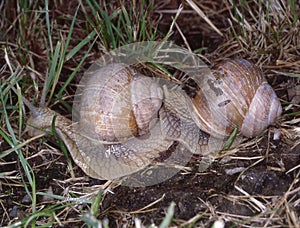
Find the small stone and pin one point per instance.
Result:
(14, 212)
(48, 198)
(26, 199)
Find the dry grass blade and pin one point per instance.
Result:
(259, 206)
(202, 15)
(149, 205)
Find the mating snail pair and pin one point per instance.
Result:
(124, 120)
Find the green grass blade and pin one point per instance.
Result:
(58, 59)
(169, 216)
(96, 204)
(13, 142)
(62, 147)
(17, 147)
(48, 27)
(231, 139)
(90, 220)
(67, 199)
(54, 63)
(47, 213)
(20, 113)
(127, 23)
(292, 75)
(78, 47)
(70, 78)
(107, 24)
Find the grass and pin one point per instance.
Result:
(59, 53)
(42, 41)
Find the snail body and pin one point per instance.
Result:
(177, 123)
(123, 120)
(98, 160)
(110, 137)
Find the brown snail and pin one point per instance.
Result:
(124, 120)
(104, 139)
(235, 95)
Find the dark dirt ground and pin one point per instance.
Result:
(244, 188)
(198, 192)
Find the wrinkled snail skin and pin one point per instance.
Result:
(95, 159)
(123, 120)
(42, 122)
(177, 123)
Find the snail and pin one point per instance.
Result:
(110, 149)
(235, 95)
(123, 120)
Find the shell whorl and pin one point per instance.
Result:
(117, 103)
(263, 111)
(235, 95)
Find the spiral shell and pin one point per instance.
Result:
(235, 95)
(117, 103)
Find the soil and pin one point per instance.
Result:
(207, 193)
(195, 193)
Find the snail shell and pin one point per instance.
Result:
(234, 95)
(117, 103)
